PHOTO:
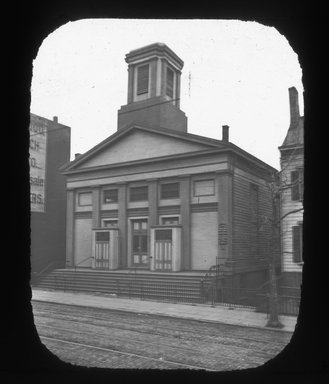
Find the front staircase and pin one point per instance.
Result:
(175, 287)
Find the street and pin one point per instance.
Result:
(114, 339)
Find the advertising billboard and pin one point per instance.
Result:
(38, 155)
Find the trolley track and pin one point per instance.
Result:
(108, 317)
(189, 355)
(162, 363)
(72, 331)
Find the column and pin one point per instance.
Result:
(185, 197)
(130, 94)
(96, 196)
(153, 78)
(70, 228)
(153, 208)
(153, 202)
(177, 93)
(122, 224)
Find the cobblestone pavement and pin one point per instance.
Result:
(112, 339)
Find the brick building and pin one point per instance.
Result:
(49, 150)
(154, 197)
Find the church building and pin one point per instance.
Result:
(156, 198)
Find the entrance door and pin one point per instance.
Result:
(102, 252)
(140, 257)
(163, 250)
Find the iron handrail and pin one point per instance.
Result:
(75, 269)
(82, 261)
(37, 275)
(209, 282)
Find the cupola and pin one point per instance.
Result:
(153, 96)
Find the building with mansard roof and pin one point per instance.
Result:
(153, 197)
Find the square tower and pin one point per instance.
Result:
(153, 96)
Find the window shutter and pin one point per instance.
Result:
(297, 243)
(295, 185)
(142, 79)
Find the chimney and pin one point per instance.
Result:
(294, 107)
(76, 155)
(55, 119)
(225, 133)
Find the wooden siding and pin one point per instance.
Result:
(247, 254)
(288, 205)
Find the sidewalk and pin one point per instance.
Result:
(217, 314)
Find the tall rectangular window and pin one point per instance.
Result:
(142, 79)
(170, 191)
(204, 187)
(297, 185)
(170, 83)
(297, 243)
(139, 193)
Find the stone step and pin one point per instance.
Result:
(121, 279)
(143, 285)
(107, 277)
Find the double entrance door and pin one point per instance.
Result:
(140, 254)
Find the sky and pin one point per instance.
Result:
(235, 73)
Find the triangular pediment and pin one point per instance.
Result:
(140, 144)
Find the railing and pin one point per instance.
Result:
(80, 262)
(159, 291)
(214, 288)
(75, 270)
(209, 284)
(35, 276)
(287, 305)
